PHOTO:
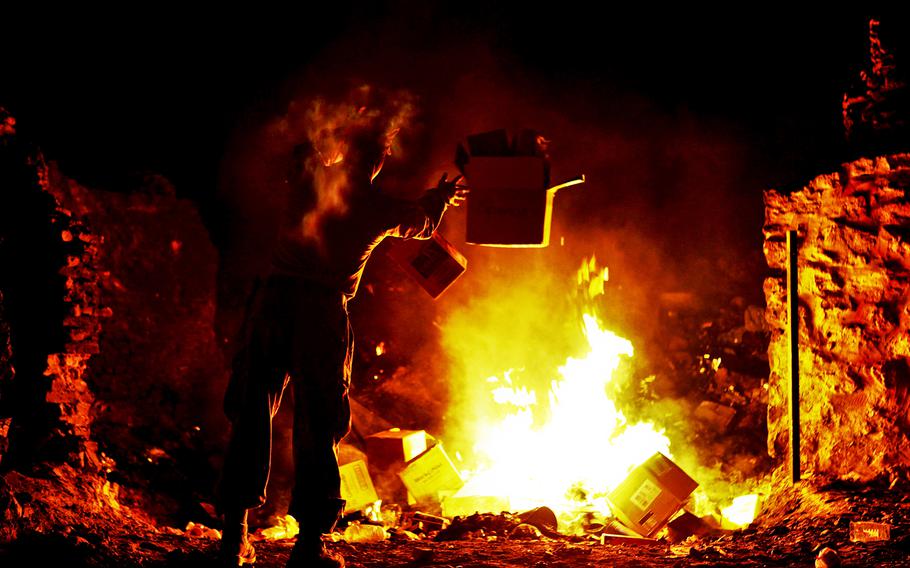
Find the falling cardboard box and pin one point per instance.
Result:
(356, 486)
(431, 476)
(434, 263)
(651, 494)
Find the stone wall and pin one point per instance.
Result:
(158, 374)
(50, 316)
(854, 311)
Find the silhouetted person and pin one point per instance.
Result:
(297, 332)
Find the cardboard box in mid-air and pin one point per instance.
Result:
(511, 201)
(433, 263)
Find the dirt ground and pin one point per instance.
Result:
(63, 519)
(773, 547)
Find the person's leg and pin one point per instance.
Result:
(321, 419)
(251, 402)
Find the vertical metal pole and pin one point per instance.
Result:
(793, 341)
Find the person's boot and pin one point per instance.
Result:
(310, 552)
(236, 549)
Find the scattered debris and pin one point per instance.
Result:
(717, 415)
(688, 524)
(542, 517)
(427, 522)
(198, 530)
(827, 558)
(364, 533)
(863, 531)
(525, 531)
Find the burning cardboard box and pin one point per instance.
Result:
(387, 453)
(356, 486)
(395, 447)
(651, 494)
(434, 263)
(431, 476)
(511, 202)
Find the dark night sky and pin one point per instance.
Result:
(109, 94)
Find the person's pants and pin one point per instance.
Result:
(296, 332)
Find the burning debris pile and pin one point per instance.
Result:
(710, 378)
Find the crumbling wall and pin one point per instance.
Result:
(854, 318)
(158, 375)
(46, 277)
(111, 364)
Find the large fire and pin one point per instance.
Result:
(584, 448)
(564, 445)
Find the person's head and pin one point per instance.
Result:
(367, 147)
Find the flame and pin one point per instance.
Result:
(741, 512)
(585, 447)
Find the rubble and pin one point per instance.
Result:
(364, 533)
(865, 531)
(827, 558)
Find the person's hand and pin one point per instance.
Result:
(454, 192)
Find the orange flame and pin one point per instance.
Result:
(586, 446)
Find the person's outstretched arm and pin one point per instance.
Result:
(418, 220)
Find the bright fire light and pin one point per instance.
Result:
(585, 448)
(742, 511)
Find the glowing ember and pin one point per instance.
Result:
(741, 512)
(583, 449)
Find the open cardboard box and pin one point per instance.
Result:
(510, 204)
